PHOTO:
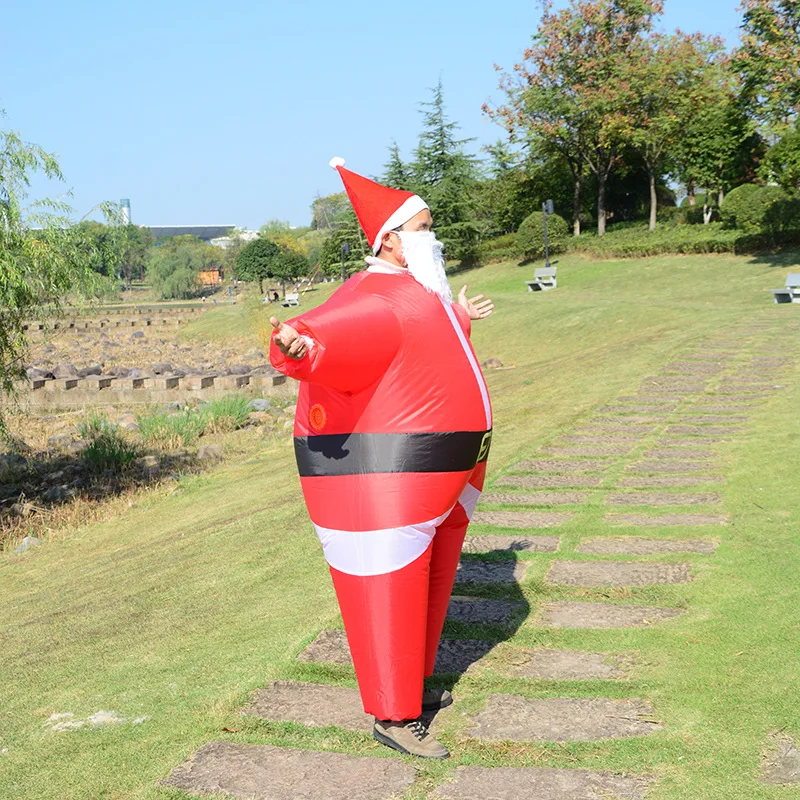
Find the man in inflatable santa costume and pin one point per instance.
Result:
(391, 435)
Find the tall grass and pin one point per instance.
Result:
(169, 431)
(107, 449)
(226, 413)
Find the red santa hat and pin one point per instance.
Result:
(379, 208)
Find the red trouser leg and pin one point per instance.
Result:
(384, 617)
(447, 544)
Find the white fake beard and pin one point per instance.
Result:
(424, 257)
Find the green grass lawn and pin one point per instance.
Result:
(178, 609)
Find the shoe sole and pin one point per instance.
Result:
(379, 737)
(438, 706)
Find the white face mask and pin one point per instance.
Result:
(424, 257)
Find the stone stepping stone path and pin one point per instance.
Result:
(783, 765)
(661, 499)
(264, 772)
(562, 665)
(520, 519)
(634, 546)
(549, 481)
(537, 498)
(476, 610)
(616, 573)
(455, 656)
(312, 704)
(509, 717)
(712, 419)
(599, 439)
(622, 427)
(704, 430)
(554, 465)
(667, 519)
(514, 544)
(657, 481)
(541, 783)
(662, 409)
(589, 450)
(491, 571)
(629, 419)
(567, 614)
(682, 451)
(671, 467)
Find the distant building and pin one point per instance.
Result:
(210, 276)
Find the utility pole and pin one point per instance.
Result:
(547, 208)
(345, 251)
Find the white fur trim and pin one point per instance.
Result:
(412, 206)
(336, 161)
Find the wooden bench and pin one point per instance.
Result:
(790, 292)
(544, 278)
(291, 300)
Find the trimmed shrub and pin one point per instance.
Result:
(499, 248)
(530, 236)
(748, 207)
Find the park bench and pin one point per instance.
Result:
(544, 278)
(291, 300)
(790, 292)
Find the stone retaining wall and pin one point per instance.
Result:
(106, 390)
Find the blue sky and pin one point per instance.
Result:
(229, 112)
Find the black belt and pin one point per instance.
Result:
(365, 453)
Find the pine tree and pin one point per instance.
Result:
(398, 174)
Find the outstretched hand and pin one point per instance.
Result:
(474, 307)
(289, 341)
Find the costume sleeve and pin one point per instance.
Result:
(354, 337)
(463, 317)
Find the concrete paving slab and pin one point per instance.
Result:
(783, 764)
(711, 419)
(656, 481)
(479, 611)
(508, 571)
(634, 546)
(599, 438)
(670, 466)
(579, 451)
(490, 543)
(312, 704)
(549, 481)
(264, 772)
(536, 498)
(330, 647)
(520, 519)
(509, 717)
(541, 783)
(561, 665)
(560, 466)
(616, 573)
(567, 614)
(682, 451)
(662, 499)
(705, 430)
(680, 520)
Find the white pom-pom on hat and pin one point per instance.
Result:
(336, 161)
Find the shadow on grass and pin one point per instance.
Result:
(472, 630)
(37, 486)
(782, 259)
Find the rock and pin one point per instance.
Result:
(59, 441)
(23, 510)
(259, 417)
(137, 335)
(94, 369)
(56, 493)
(65, 370)
(133, 427)
(208, 366)
(259, 404)
(77, 447)
(290, 411)
(146, 462)
(492, 363)
(139, 373)
(27, 543)
(239, 369)
(36, 374)
(209, 452)
(162, 368)
(262, 369)
(126, 417)
(11, 463)
(253, 354)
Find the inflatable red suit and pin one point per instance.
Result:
(391, 438)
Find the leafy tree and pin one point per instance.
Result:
(328, 212)
(257, 261)
(445, 176)
(768, 59)
(570, 87)
(173, 266)
(782, 162)
(137, 242)
(289, 267)
(40, 260)
(348, 232)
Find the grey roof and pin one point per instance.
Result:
(200, 231)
